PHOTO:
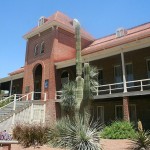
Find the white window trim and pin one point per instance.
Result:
(132, 83)
(35, 52)
(102, 114)
(129, 63)
(135, 109)
(41, 47)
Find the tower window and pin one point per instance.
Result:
(36, 50)
(42, 48)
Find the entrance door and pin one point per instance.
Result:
(37, 82)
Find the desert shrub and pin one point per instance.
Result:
(3, 103)
(75, 134)
(119, 130)
(29, 135)
(143, 138)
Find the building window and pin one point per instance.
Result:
(100, 113)
(129, 74)
(148, 68)
(36, 48)
(64, 78)
(119, 112)
(118, 76)
(100, 76)
(42, 48)
(132, 112)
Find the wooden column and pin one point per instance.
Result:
(126, 108)
(10, 89)
(123, 72)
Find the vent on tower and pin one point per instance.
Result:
(121, 32)
(41, 21)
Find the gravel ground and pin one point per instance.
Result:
(116, 144)
(106, 145)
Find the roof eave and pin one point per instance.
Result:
(48, 25)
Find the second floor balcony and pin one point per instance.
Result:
(129, 88)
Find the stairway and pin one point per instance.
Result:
(7, 111)
(21, 109)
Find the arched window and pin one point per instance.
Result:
(36, 48)
(42, 48)
(64, 77)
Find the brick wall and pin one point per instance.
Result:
(59, 46)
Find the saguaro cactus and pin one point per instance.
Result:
(79, 79)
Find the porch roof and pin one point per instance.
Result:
(133, 34)
(12, 77)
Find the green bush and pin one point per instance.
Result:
(119, 130)
(29, 135)
(3, 103)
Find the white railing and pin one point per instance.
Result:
(136, 85)
(27, 114)
(58, 94)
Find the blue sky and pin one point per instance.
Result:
(98, 17)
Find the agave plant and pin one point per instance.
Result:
(143, 138)
(76, 134)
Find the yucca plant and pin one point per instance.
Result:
(76, 134)
(143, 138)
(68, 103)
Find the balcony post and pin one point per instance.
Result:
(124, 72)
(126, 108)
(10, 90)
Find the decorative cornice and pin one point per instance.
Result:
(48, 25)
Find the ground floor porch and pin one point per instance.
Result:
(131, 108)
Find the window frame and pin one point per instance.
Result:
(41, 47)
(100, 106)
(127, 75)
(116, 112)
(135, 112)
(36, 49)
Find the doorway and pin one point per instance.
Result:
(37, 82)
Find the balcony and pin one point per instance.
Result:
(136, 87)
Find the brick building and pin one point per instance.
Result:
(123, 61)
